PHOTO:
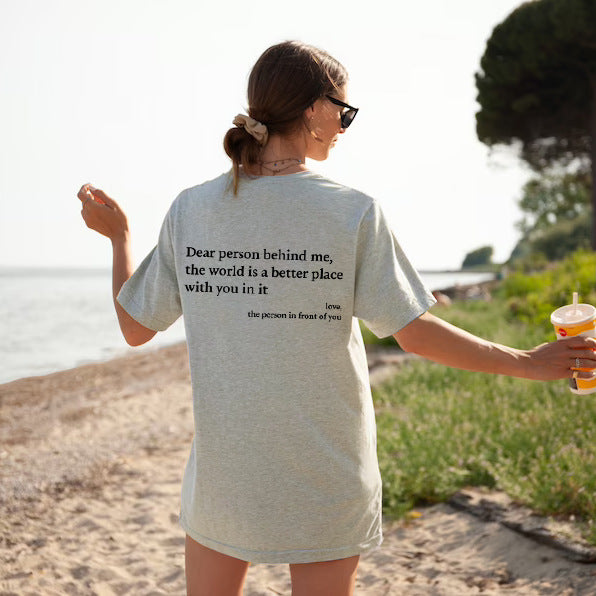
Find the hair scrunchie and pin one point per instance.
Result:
(252, 127)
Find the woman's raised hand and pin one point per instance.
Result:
(101, 213)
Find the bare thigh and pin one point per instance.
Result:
(327, 578)
(209, 573)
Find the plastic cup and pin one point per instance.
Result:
(575, 320)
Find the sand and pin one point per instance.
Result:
(91, 462)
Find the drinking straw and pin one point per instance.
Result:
(576, 312)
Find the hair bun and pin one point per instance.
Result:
(252, 127)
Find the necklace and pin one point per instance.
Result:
(279, 164)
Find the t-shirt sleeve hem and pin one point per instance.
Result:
(390, 326)
(134, 309)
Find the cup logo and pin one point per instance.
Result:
(562, 333)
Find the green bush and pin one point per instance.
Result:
(532, 298)
(443, 429)
(564, 237)
(552, 243)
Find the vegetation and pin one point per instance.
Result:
(537, 85)
(442, 429)
(557, 217)
(538, 247)
(554, 198)
(478, 258)
(531, 298)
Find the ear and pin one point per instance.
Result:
(314, 110)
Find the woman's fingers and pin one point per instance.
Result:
(560, 359)
(84, 193)
(583, 364)
(582, 354)
(101, 213)
(574, 343)
(102, 198)
(88, 191)
(582, 357)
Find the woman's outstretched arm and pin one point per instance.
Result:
(102, 214)
(437, 340)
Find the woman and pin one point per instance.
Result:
(271, 265)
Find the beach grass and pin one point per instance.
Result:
(442, 429)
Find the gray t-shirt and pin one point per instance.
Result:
(271, 282)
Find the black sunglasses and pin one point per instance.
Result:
(348, 115)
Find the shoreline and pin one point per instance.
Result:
(134, 353)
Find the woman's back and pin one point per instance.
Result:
(268, 281)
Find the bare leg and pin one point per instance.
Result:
(209, 573)
(327, 578)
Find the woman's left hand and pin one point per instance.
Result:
(563, 359)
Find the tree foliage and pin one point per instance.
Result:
(550, 199)
(480, 256)
(557, 218)
(553, 243)
(537, 86)
(538, 79)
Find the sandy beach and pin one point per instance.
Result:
(91, 462)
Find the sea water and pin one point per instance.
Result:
(55, 319)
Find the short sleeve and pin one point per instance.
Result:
(151, 295)
(388, 291)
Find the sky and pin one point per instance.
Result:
(135, 97)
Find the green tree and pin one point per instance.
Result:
(557, 217)
(551, 199)
(537, 86)
(480, 256)
(552, 243)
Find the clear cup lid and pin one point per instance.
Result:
(573, 314)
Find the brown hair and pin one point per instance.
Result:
(287, 79)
